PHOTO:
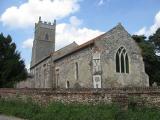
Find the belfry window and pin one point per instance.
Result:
(122, 62)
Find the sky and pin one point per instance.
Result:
(77, 20)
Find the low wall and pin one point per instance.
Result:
(142, 96)
(29, 83)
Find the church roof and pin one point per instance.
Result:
(87, 44)
(61, 52)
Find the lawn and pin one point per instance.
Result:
(59, 111)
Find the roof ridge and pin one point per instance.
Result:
(66, 46)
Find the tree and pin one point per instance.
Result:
(155, 39)
(150, 59)
(12, 67)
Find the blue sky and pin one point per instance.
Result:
(77, 20)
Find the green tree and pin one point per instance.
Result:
(12, 67)
(155, 39)
(150, 58)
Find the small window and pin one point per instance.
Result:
(45, 77)
(46, 37)
(76, 70)
(67, 84)
(40, 73)
(57, 77)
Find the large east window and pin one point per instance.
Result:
(122, 61)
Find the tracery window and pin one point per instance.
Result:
(122, 62)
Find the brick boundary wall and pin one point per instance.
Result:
(149, 96)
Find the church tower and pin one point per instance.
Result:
(44, 41)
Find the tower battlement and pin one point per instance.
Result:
(45, 24)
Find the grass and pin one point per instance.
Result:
(58, 111)
(18, 108)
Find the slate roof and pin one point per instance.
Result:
(65, 50)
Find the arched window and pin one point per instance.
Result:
(122, 62)
(67, 84)
(46, 37)
(57, 77)
(127, 64)
(117, 62)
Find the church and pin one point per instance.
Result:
(112, 59)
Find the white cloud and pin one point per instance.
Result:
(67, 33)
(158, 54)
(152, 29)
(75, 21)
(28, 43)
(101, 2)
(27, 13)
(27, 67)
(142, 31)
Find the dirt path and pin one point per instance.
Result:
(3, 117)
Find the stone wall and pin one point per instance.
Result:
(108, 46)
(123, 96)
(42, 75)
(28, 83)
(76, 77)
